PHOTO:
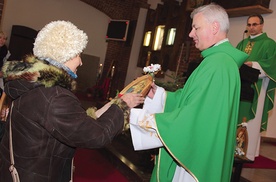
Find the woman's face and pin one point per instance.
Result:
(3, 40)
(74, 63)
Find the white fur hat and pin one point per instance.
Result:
(60, 41)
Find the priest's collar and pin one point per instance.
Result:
(254, 36)
(219, 42)
(222, 41)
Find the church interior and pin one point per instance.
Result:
(138, 33)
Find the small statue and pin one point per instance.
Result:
(241, 140)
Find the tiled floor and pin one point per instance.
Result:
(262, 175)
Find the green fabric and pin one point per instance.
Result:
(198, 126)
(263, 52)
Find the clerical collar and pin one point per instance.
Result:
(222, 41)
(219, 42)
(254, 36)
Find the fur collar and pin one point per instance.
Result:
(37, 71)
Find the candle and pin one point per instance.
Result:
(100, 69)
(112, 71)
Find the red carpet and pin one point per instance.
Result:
(262, 162)
(91, 166)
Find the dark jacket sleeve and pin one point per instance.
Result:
(69, 123)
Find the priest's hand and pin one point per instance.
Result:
(248, 63)
(152, 90)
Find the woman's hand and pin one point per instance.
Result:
(132, 99)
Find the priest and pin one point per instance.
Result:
(262, 57)
(195, 127)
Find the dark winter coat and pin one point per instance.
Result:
(49, 123)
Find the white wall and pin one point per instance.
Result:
(133, 71)
(37, 13)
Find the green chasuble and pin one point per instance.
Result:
(263, 51)
(198, 126)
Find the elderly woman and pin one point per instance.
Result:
(47, 121)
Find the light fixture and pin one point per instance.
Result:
(171, 36)
(159, 34)
(147, 39)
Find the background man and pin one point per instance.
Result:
(262, 56)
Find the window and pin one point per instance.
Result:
(171, 36)
(147, 39)
(159, 34)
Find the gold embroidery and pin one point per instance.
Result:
(249, 47)
(147, 125)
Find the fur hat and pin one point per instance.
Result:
(59, 41)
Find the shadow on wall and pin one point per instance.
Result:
(87, 73)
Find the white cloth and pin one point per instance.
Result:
(254, 125)
(142, 122)
(143, 130)
(181, 175)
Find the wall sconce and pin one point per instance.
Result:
(159, 34)
(171, 36)
(147, 39)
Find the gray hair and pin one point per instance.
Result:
(213, 12)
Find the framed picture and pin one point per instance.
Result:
(140, 85)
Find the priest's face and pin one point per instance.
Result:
(201, 32)
(254, 26)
